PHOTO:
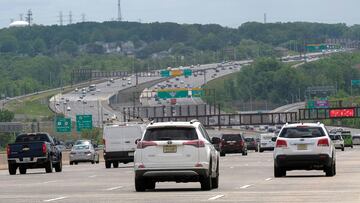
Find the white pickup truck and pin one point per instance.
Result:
(119, 142)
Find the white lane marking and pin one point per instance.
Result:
(52, 181)
(245, 186)
(216, 197)
(267, 179)
(93, 176)
(231, 166)
(55, 199)
(114, 188)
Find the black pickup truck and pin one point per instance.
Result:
(33, 150)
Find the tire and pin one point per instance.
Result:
(12, 169)
(71, 163)
(107, 164)
(279, 172)
(58, 166)
(92, 162)
(352, 146)
(331, 171)
(49, 167)
(140, 185)
(261, 150)
(215, 181)
(206, 183)
(115, 164)
(222, 153)
(244, 153)
(22, 170)
(76, 163)
(150, 184)
(343, 148)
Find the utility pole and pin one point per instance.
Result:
(21, 16)
(61, 18)
(265, 18)
(29, 17)
(83, 17)
(119, 18)
(70, 17)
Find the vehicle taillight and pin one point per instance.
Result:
(195, 143)
(44, 148)
(8, 151)
(323, 142)
(144, 144)
(281, 143)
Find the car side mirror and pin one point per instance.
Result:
(137, 141)
(215, 140)
(273, 139)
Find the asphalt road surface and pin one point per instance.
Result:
(242, 179)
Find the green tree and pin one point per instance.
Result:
(8, 43)
(68, 46)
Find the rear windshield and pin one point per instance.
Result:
(158, 134)
(231, 137)
(32, 138)
(249, 139)
(302, 132)
(335, 137)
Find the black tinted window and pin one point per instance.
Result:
(302, 132)
(32, 138)
(249, 139)
(158, 134)
(231, 137)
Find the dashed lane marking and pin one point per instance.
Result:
(215, 197)
(245, 186)
(55, 199)
(114, 188)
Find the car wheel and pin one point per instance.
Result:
(261, 150)
(222, 153)
(331, 171)
(76, 163)
(49, 167)
(58, 166)
(92, 162)
(215, 181)
(244, 153)
(343, 148)
(279, 172)
(352, 146)
(140, 185)
(150, 184)
(206, 183)
(71, 163)
(22, 170)
(115, 164)
(107, 164)
(12, 169)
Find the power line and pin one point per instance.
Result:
(83, 18)
(119, 11)
(61, 18)
(70, 17)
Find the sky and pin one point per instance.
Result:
(230, 13)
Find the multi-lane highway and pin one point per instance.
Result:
(242, 179)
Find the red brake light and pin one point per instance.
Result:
(281, 143)
(144, 144)
(323, 142)
(195, 143)
(44, 148)
(8, 151)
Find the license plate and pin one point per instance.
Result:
(26, 159)
(302, 147)
(130, 153)
(169, 149)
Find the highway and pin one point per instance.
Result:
(242, 179)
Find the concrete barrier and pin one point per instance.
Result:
(65, 158)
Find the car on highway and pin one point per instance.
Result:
(82, 142)
(68, 108)
(348, 141)
(252, 144)
(338, 141)
(33, 150)
(304, 146)
(119, 143)
(176, 151)
(76, 89)
(356, 139)
(233, 143)
(83, 153)
(266, 142)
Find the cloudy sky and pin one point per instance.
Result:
(230, 13)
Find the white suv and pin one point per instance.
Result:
(304, 146)
(176, 151)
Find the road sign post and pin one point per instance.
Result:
(63, 125)
(83, 122)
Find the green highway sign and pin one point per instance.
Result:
(179, 93)
(187, 72)
(63, 125)
(310, 104)
(83, 122)
(165, 73)
(355, 82)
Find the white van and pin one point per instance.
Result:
(266, 143)
(119, 143)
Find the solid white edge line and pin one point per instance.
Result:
(267, 179)
(216, 197)
(93, 176)
(55, 199)
(245, 186)
(114, 188)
